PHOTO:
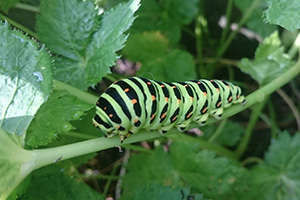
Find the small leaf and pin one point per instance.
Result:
(255, 21)
(158, 191)
(26, 77)
(58, 185)
(54, 118)
(284, 13)
(5, 5)
(279, 177)
(269, 63)
(215, 177)
(86, 49)
(150, 49)
(166, 16)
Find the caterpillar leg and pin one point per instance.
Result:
(123, 137)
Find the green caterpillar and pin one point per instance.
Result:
(136, 103)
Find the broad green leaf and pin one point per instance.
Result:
(158, 191)
(25, 79)
(146, 46)
(279, 177)
(255, 21)
(185, 166)
(15, 163)
(150, 49)
(5, 5)
(54, 118)
(284, 13)
(206, 173)
(270, 61)
(166, 16)
(86, 43)
(66, 27)
(58, 185)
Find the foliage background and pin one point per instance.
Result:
(64, 53)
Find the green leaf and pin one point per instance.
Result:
(279, 177)
(284, 13)
(166, 16)
(158, 191)
(270, 61)
(59, 185)
(26, 77)
(5, 5)
(86, 49)
(15, 164)
(185, 166)
(54, 118)
(255, 21)
(150, 49)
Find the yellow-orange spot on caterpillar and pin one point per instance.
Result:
(105, 108)
(136, 120)
(126, 90)
(115, 82)
(118, 127)
(174, 118)
(110, 115)
(205, 94)
(186, 85)
(230, 99)
(192, 98)
(204, 110)
(178, 101)
(211, 80)
(97, 103)
(133, 101)
(189, 115)
(152, 117)
(163, 116)
(238, 96)
(228, 86)
(174, 86)
(153, 98)
(162, 85)
(199, 82)
(219, 104)
(167, 99)
(149, 83)
(218, 89)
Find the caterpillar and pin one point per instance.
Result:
(136, 103)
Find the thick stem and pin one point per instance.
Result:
(48, 156)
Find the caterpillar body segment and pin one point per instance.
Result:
(136, 103)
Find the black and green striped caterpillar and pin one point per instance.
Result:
(136, 103)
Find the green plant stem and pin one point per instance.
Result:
(295, 47)
(260, 94)
(248, 132)
(108, 183)
(226, 44)
(274, 128)
(198, 34)
(45, 157)
(251, 160)
(80, 94)
(28, 7)
(19, 26)
(292, 106)
(228, 21)
(218, 131)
